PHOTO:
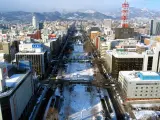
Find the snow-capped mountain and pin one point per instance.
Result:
(90, 11)
(85, 14)
(135, 13)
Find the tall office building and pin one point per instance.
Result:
(34, 53)
(41, 25)
(17, 89)
(126, 59)
(34, 22)
(124, 33)
(155, 27)
(156, 59)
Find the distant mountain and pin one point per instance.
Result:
(27, 16)
(50, 16)
(136, 13)
(86, 14)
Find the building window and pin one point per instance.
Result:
(136, 87)
(140, 94)
(141, 87)
(146, 87)
(135, 94)
(1, 46)
(150, 61)
(155, 94)
(146, 91)
(145, 94)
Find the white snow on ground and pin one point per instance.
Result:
(146, 105)
(78, 48)
(146, 114)
(80, 104)
(78, 52)
(77, 71)
(81, 56)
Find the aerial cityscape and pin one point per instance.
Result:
(81, 62)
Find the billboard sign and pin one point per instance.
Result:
(36, 45)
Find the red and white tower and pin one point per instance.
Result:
(125, 13)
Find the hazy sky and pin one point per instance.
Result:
(50, 5)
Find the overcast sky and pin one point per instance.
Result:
(51, 5)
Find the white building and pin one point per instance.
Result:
(139, 85)
(31, 47)
(34, 22)
(107, 23)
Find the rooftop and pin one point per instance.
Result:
(146, 114)
(141, 76)
(13, 82)
(148, 73)
(53, 39)
(126, 54)
(30, 53)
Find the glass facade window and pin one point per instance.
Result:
(150, 61)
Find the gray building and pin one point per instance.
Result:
(16, 95)
(155, 27)
(124, 33)
(8, 49)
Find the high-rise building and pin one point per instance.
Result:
(155, 27)
(34, 53)
(125, 59)
(124, 33)
(94, 34)
(8, 50)
(156, 59)
(17, 89)
(41, 25)
(34, 22)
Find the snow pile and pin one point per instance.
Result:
(146, 114)
(80, 102)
